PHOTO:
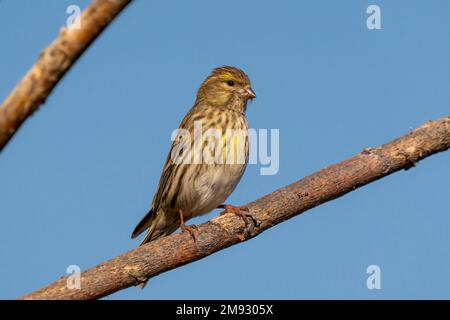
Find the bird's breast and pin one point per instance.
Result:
(224, 157)
(214, 186)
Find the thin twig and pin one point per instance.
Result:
(53, 63)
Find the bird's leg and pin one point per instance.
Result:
(242, 212)
(184, 227)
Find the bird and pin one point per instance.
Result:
(189, 188)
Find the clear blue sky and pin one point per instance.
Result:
(82, 171)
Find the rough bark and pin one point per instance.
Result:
(53, 63)
(136, 266)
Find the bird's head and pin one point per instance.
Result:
(225, 87)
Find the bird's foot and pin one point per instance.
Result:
(241, 211)
(184, 227)
(191, 229)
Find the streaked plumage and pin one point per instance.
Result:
(196, 189)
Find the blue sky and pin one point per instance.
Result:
(82, 171)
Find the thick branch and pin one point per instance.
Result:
(167, 253)
(53, 63)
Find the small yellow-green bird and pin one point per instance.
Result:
(188, 187)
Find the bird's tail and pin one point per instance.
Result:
(153, 233)
(152, 223)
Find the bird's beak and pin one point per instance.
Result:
(250, 93)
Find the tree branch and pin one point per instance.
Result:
(53, 63)
(164, 254)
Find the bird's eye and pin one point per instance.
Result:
(230, 83)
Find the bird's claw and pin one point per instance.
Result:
(191, 229)
(242, 212)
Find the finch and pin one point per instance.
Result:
(207, 159)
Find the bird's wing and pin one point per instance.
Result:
(163, 182)
(177, 150)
